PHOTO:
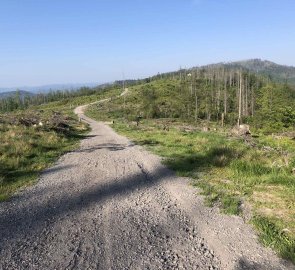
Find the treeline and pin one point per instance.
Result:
(228, 96)
(18, 101)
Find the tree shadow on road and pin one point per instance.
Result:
(31, 219)
(56, 169)
(108, 146)
(244, 264)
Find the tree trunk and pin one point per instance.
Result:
(196, 108)
(225, 97)
(240, 99)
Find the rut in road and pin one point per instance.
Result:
(112, 205)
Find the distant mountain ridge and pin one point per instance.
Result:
(279, 73)
(49, 87)
(22, 94)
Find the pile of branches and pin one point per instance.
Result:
(29, 121)
(55, 121)
(59, 123)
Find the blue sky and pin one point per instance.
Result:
(70, 41)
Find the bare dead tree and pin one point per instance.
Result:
(240, 98)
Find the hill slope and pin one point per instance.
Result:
(172, 114)
(279, 73)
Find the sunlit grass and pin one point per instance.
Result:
(230, 173)
(26, 151)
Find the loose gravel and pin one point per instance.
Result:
(112, 205)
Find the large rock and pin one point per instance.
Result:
(242, 130)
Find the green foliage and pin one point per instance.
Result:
(207, 94)
(275, 108)
(230, 172)
(288, 116)
(18, 102)
(230, 204)
(227, 170)
(149, 98)
(273, 236)
(26, 150)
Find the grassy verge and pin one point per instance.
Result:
(230, 172)
(26, 150)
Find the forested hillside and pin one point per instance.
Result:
(222, 95)
(190, 118)
(273, 71)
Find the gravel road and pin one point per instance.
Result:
(112, 205)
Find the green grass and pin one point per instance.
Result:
(273, 236)
(27, 151)
(230, 204)
(228, 171)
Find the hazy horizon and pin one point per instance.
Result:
(68, 84)
(44, 43)
(25, 87)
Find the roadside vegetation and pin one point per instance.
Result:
(254, 182)
(26, 149)
(184, 121)
(32, 139)
(193, 119)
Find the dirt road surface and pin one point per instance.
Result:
(112, 205)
